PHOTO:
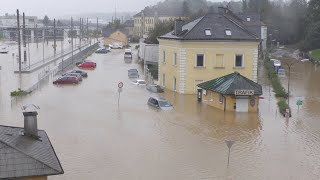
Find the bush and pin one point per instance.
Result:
(18, 92)
(282, 106)
(274, 79)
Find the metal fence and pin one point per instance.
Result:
(47, 75)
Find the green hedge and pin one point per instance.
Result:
(282, 106)
(18, 92)
(274, 79)
(279, 90)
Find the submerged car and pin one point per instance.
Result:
(77, 75)
(102, 51)
(66, 80)
(160, 103)
(87, 65)
(82, 73)
(133, 73)
(139, 82)
(154, 88)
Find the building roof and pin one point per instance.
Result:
(228, 84)
(23, 156)
(217, 24)
(108, 31)
(163, 10)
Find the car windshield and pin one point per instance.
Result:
(142, 82)
(164, 104)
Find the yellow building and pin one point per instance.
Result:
(207, 48)
(232, 92)
(145, 20)
(115, 37)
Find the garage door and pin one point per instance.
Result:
(242, 105)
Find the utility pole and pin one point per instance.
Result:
(24, 39)
(19, 39)
(87, 29)
(37, 36)
(54, 37)
(80, 36)
(97, 29)
(72, 40)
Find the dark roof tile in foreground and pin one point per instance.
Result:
(23, 156)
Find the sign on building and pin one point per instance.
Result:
(244, 92)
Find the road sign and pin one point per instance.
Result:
(299, 102)
(120, 85)
(229, 144)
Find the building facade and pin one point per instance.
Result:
(145, 20)
(207, 48)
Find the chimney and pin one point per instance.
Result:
(178, 26)
(30, 121)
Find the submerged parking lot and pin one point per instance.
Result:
(94, 138)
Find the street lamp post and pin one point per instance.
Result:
(289, 65)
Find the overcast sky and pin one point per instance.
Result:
(58, 8)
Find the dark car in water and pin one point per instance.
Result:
(133, 73)
(82, 73)
(67, 80)
(154, 88)
(160, 103)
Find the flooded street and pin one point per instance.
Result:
(96, 139)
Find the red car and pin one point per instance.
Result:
(67, 80)
(88, 65)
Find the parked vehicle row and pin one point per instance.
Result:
(75, 76)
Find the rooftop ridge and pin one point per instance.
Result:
(201, 18)
(244, 29)
(28, 155)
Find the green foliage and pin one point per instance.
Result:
(315, 54)
(275, 81)
(282, 106)
(46, 20)
(160, 29)
(17, 93)
(312, 40)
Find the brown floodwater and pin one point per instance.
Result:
(96, 139)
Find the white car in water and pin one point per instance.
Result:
(4, 48)
(139, 82)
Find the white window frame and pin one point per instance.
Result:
(220, 98)
(211, 96)
(196, 61)
(174, 63)
(174, 84)
(163, 80)
(235, 60)
(228, 34)
(209, 32)
(223, 64)
(164, 56)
